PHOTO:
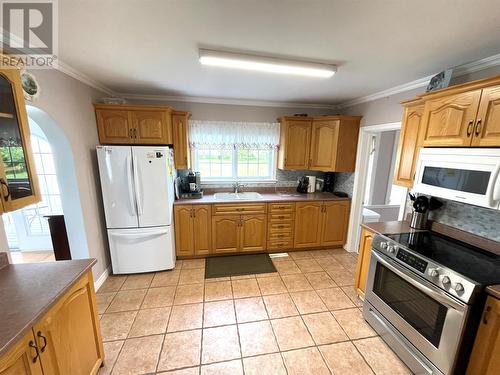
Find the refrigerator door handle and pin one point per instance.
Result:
(141, 235)
(128, 162)
(137, 187)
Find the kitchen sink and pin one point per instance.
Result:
(248, 195)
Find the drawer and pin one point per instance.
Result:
(286, 226)
(235, 209)
(284, 217)
(281, 207)
(279, 244)
(280, 236)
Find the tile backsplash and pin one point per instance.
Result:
(481, 221)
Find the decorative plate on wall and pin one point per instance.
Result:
(30, 86)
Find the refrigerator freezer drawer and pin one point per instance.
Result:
(141, 249)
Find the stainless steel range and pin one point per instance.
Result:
(424, 296)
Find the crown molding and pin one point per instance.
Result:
(458, 71)
(210, 100)
(76, 74)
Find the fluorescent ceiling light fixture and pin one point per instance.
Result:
(265, 64)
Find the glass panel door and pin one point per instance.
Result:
(418, 309)
(17, 183)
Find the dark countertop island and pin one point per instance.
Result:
(27, 291)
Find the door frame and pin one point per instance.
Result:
(362, 156)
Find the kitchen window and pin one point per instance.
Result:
(230, 151)
(238, 163)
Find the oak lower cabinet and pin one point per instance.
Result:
(193, 232)
(66, 340)
(364, 254)
(409, 144)
(308, 222)
(226, 234)
(334, 223)
(22, 359)
(321, 223)
(485, 357)
(237, 233)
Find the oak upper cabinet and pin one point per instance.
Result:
(334, 222)
(295, 138)
(327, 143)
(449, 120)
(409, 144)
(324, 142)
(152, 127)
(193, 229)
(18, 180)
(226, 234)
(485, 357)
(308, 224)
(487, 128)
(253, 232)
(134, 124)
(22, 359)
(68, 336)
(180, 128)
(364, 254)
(114, 126)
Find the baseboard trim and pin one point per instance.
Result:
(101, 279)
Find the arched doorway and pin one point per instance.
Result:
(63, 165)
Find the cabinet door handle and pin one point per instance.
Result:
(478, 127)
(40, 334)
(485, 315)
(470, 128)
(135, 133)
(131, 133)
(33, 345)
(4, 184)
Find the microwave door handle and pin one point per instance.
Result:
(437, 294)
(494, 193)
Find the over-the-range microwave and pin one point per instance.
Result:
(468, 175)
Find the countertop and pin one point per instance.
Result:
(493, 290)
(27, 291)
(266, 197)
(389, 227)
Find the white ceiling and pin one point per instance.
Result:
(151, 46)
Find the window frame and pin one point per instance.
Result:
(273, 154)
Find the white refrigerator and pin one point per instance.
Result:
(138, 193)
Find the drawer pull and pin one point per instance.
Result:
(240, 209)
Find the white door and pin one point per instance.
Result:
(141, 249)
(115, 169)
(153, 185)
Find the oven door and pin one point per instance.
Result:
(426, 316)
(464, 175)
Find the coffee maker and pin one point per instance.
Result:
(329, 182)
(190, 186)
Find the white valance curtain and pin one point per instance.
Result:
(229, 134)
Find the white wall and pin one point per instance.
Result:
(383, 167)
(69, 103)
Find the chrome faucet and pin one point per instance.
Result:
(237, 187)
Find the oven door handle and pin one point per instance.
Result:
(424, 287)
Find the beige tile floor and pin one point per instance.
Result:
(32, 256)
(304, 319)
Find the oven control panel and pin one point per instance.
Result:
(412, 260)
(442, 277)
